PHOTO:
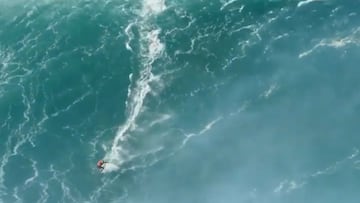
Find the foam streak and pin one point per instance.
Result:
(151, 49)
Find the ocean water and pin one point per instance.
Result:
(191, 101)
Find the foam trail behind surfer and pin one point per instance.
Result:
(151, 49)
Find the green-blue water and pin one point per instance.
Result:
(207, 101)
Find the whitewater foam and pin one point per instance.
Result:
(36, 173)
(302, 3)
(353, 38)
(159, 120)
(227, 3)
(130, 36)
(201, 132)
(152, 7)
(287, 185)
(151, 48)
(266, 94)
(110, 167)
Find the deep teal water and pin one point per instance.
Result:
(191, 101)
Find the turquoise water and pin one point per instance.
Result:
(191, 101)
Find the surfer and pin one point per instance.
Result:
(101, 164)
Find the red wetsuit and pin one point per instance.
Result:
(100, 164)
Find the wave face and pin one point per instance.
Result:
(190, 101)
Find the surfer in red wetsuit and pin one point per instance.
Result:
(100, 164)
